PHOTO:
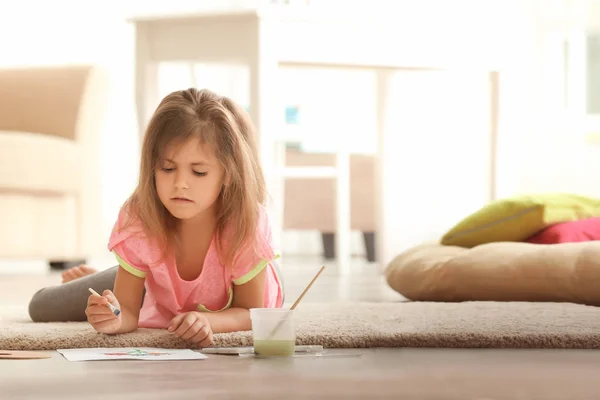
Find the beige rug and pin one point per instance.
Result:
(345, 325)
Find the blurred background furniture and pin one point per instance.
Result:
(51, 121)
(310, 202)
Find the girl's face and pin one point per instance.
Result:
(190, 179)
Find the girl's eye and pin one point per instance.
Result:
(167, 169)
(200, 173)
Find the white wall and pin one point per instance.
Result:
(436, 157)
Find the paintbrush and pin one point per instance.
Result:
(296, 303)
(114, 309)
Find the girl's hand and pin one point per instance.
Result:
(100, 316)
(192, 326)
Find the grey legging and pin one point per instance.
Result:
(67, 302)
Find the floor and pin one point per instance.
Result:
(474, 374)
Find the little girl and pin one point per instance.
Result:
(193, 242)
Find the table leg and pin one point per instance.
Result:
(384, 82)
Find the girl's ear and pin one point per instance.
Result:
(226, 179)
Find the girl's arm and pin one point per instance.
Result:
(129, 291)
(237, 318)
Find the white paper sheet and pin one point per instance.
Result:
(130, 353)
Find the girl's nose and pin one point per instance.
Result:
(180, 181)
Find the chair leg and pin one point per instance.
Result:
(328, 245)
(369, 238)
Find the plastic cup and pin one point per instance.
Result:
(273, 332)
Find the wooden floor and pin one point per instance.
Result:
(474, 374)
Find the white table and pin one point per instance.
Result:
(264, 41)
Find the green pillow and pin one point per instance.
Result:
(518, 218)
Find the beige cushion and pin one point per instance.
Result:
(52, 122)
(39, 163)
(500, 271)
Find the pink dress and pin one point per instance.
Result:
(167, 295)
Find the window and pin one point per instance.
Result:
(593, 74)
(581, 56)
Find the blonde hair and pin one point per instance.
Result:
(220, 122)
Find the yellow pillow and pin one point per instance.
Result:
(518, 218)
